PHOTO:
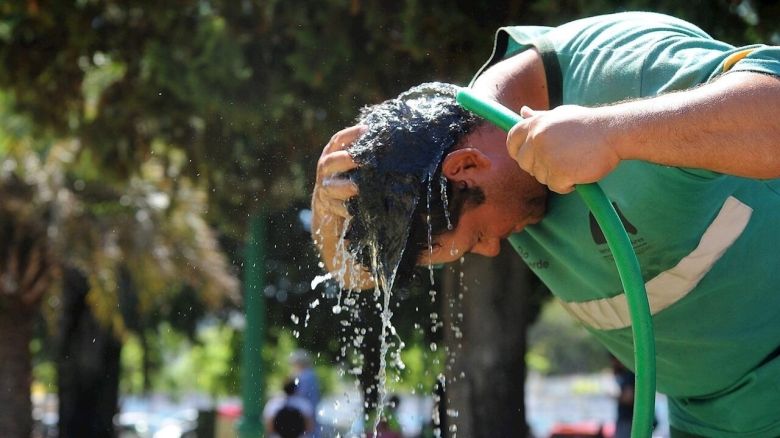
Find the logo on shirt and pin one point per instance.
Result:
(598, 235)
(533, 264)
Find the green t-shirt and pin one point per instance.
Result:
(707, 243)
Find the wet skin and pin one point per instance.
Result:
(513, 198)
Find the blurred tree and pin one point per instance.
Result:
(137, 262)
(51, 220)
(87, 364)
(27, 269)
(489, 326)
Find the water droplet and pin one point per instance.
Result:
(320, 279)
(444, 200)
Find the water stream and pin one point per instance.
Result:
(399, 162)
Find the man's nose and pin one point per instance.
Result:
(488, 247)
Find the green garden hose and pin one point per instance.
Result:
(625, 260)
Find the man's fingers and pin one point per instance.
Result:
(559, 185)
(334, 163)
(340, 189)
(540, 172)
(342, 139)
(516, 138)
(335, 208)
(332, 194)
(331, 206)
(527, 112)
(525, 159)
(564, 189)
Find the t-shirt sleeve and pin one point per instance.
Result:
(510, 41)
(757, 59)
(612, 58)
(683, 63)
(680, 64)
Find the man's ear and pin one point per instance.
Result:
(462, 163)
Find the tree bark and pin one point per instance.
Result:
(88, 366)
(498, 299)
(16, 329)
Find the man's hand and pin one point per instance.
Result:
(563, 147)
(329, 212)
(330, 190)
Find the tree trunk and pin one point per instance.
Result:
(88, 366)
(16, 328)
(498, 299)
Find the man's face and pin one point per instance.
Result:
(513, 199)
(479, 231)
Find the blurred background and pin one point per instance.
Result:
(156, 273)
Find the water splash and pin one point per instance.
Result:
(399, 159)
(320, 279)
(430, 232)
(445, 200)
(399, 162)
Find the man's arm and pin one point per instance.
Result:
(728, 126)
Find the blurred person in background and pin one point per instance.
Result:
(307, 384)
(288, 415)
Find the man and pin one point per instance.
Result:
(682, 133)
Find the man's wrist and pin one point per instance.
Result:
(621, 131)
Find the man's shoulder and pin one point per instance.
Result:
(524, 34)
(635, 19)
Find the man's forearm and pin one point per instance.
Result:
(729, 126)
(324, 230)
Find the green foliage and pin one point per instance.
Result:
(44, 369)
(205, 364)
(131, 376)
(423, 365)
(251, 90)
(558, 345)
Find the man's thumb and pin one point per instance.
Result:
(527, 112)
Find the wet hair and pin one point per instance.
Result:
(403, 199)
